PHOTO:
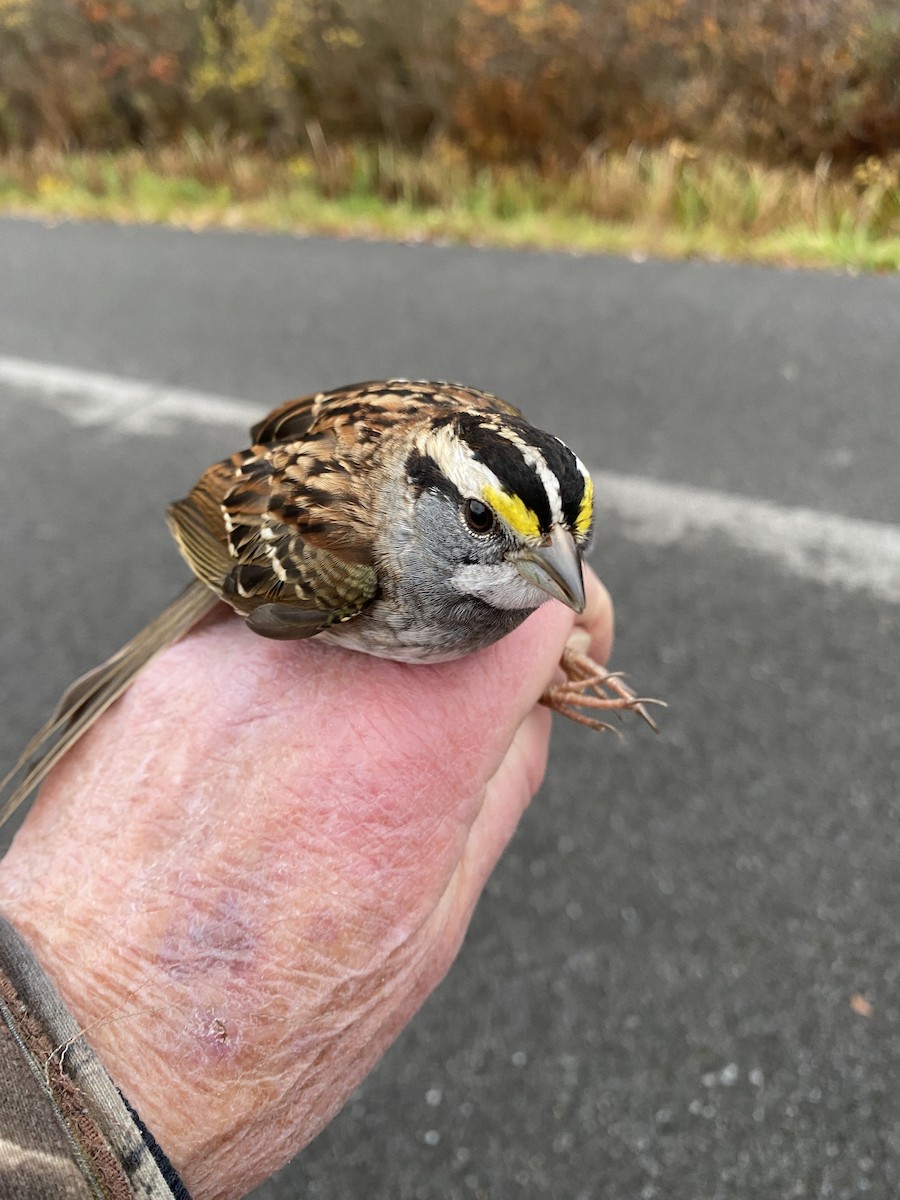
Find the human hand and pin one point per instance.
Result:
(251, 873)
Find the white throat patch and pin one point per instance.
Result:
(500, 585)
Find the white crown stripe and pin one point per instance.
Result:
(457, 461)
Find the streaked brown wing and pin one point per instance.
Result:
(198, 526)
(290, 420)
(241, 530)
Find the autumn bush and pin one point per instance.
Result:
(503, 81)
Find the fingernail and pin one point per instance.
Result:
(579, 640)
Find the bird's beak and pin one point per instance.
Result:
(555, 568)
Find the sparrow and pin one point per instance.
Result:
(416, 521)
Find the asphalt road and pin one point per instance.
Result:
(656, 997)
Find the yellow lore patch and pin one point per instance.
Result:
(586, 511)
(513, 511)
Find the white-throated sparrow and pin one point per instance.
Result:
(409, 520)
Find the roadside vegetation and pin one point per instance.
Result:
(670, 201)
(749, 129)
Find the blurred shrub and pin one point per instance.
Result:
(542, 81)
(783, 80)
(92, 72)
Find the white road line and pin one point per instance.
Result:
(830, 549)
(130, 405)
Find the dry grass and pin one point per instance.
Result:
(673, 201)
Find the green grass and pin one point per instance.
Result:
(674, 202)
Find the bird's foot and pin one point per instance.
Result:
(588, 687)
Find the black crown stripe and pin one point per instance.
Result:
(508, 463)
(424, 473)
(563, 464)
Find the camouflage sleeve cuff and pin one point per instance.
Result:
(66, 1132)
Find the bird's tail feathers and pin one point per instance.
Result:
(90, 696)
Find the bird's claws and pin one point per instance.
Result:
(589, 686)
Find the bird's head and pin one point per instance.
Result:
(501, 514)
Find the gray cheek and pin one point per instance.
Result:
(441, 528)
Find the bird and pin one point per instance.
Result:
(412, 520)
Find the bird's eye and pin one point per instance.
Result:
(479, 518)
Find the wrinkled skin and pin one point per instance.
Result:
(254, 869)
